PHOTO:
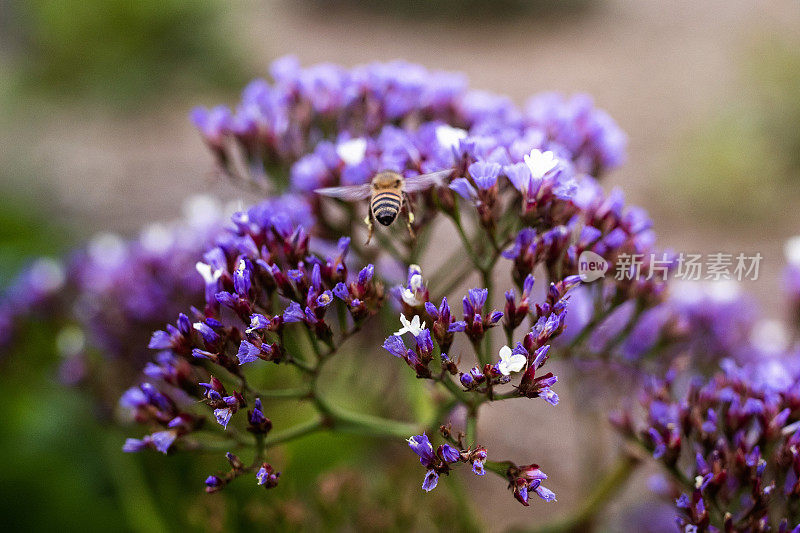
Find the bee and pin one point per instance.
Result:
(388, 192)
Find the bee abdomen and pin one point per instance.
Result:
(385, 207)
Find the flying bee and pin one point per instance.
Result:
(388, 192)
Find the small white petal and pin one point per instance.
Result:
(414, 327)
(517, 362)
(210, 276)
(540, 163)
(449, 137)
(510, 362)
(406, 326)
(410, 298)
(352, 152)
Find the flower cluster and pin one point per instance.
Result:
(280, 122)
(526, 479)
(326, 126)
(576, 125)
(109, 296)
(284, 284)
(429, 360)
(439, 462)
(260, 279)
(731, 444)
(702, 323)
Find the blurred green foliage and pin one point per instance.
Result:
(118, 50)
(774, 67)
(743, 165)
(25, 233)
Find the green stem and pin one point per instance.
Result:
(459, 394)
(456, 218)
(498, 467)
(285, 394)
(295, 432)
(466, 507)
(510, 395)
(364, 424)
(471, 433)
(302, 365)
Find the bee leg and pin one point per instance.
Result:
(410, 222)
(370, 227)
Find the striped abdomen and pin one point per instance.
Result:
(385, 205)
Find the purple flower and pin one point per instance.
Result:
(430, 481)
(209, 335)
(267, 477)
(223, 416)
(484, 174)
(213, 124)
(247, 352)
(464, 188)
(394, 345)
(422, 447)
(449, 454)
(294, 313)
(365, 275)
(213, 484)
(160, 441)
(309, 173)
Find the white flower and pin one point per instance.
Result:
(352, 152)
(540, 163)
(412, 327)
(510, 362)
(210, 276)
(410, 297)
(409, 294)
(449, 137)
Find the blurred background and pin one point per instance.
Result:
(94, 97)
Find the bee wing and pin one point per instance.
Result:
(426, 181)
(350, 193)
